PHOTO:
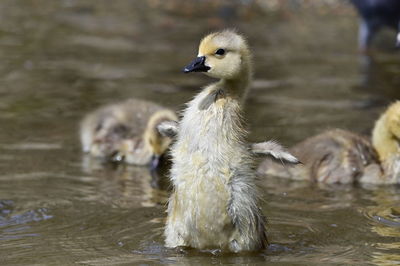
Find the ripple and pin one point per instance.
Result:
(18, 226)
(6, 207)
(384, 215)
(25, 217)
(31, 146)
(115, 44)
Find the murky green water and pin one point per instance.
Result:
(60, 59)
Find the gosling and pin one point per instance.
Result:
(126, 131)
(340, 156)
(214, 204)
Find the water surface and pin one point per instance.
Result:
(61, 59)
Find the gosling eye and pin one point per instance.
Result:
(220, 51)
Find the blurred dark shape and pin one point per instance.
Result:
(380, 78)
(376, 14)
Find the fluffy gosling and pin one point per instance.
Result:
(126, 131)
(340, 156)
(214, 204)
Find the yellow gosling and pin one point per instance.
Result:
(215, 201)
(386, 140)
(126, 131)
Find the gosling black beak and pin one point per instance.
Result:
(197, 65)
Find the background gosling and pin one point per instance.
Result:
(386, 140)
(340, 156)
(126, 131)
(215, 199)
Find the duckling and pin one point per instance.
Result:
(214, 204)
(126, 131)
(340, 156)
(376, 14)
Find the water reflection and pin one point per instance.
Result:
(379, 77)
(126, 186)
(61, 59)
(384, 221)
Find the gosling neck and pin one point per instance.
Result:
(237, 87)
(383, 140)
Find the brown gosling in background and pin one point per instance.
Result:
(340, 156)
(126, 131)
(215, 200)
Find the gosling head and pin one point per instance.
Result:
(393, 120)
(158, 143)
(223, 55)
(386, 133)
(151, 145)
(387, 141)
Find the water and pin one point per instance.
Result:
(61, 59)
